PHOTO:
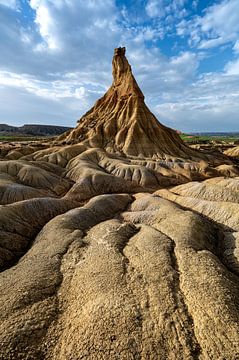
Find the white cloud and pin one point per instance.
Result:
(9, 3)
(219, 25)
(29, 108)
(207, 104)
(71, 65)
(221, 18)
(170, 8)
(232, 68)
(71, 26)
(155, 8)
(195, 4)
(78, 30)
(208, 44)
(47, 25)
(186, 63)
(236, 47)
(68, 87)
(53, 102)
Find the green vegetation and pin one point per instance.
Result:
(185, 137)
(12, 138)
(208, 138)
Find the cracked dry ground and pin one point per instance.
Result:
(143, 276)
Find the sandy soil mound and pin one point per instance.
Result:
(232, 152)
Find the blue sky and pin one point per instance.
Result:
(56, 59)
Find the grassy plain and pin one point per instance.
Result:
(209, 138)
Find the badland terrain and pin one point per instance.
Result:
(118, 240)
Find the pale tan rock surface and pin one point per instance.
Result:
(117, 241)
(232, 152)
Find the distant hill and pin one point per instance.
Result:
(33, 130)
(226, 133)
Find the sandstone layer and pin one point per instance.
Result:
(118, 241)
(234, 152)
